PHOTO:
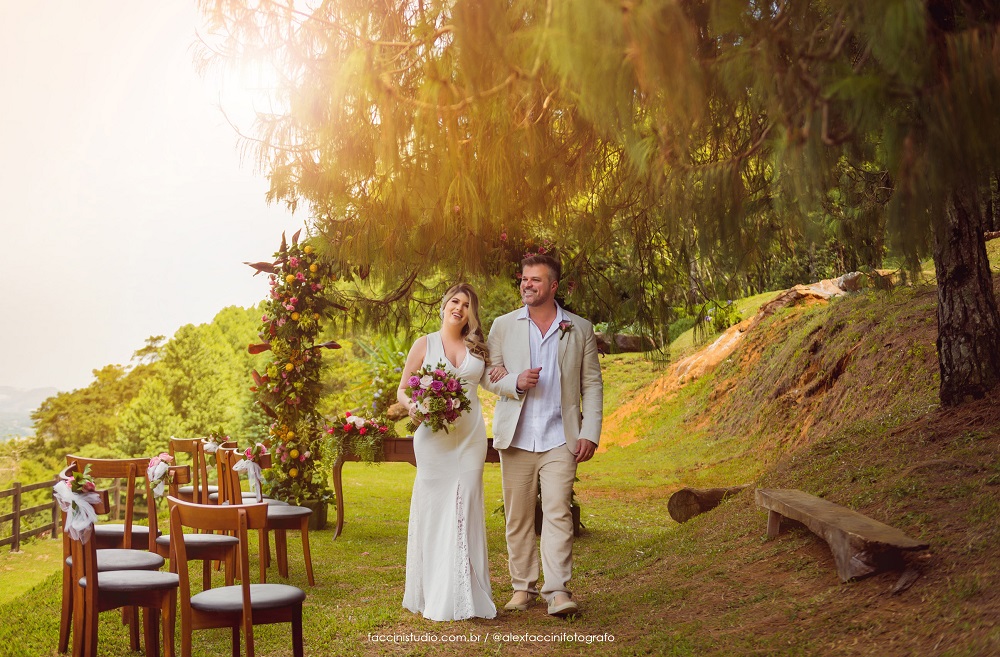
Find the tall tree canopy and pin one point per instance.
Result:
(668, 146)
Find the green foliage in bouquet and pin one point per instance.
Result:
(359, 434)
(289, 388)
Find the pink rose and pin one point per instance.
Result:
(89, 487)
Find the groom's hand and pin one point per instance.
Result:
(584, 450)
(528, 379)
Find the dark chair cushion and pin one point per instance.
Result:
(110, 536)
(195, 542)
(250, 498)
(262, 596)
(189, 490)
(135, 580)
(115, 559)
(287, 512)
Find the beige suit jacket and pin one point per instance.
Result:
(579, 376)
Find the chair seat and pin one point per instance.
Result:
(262, 596)
(110, 536)
(189, 490)
(288, 512)
(136, 580)
(250, 498)
(195, 541)
(116, 559)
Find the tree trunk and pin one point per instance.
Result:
(968, 322)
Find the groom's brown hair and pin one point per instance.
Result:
(541, 259)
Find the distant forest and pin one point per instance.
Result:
(192, 384)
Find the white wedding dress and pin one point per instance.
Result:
(447, 566)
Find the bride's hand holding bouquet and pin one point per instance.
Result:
(437, 398)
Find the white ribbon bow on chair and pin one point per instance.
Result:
(79, 508)
(157, 476)
(253, 474)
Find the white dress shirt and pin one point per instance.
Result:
(540, 426)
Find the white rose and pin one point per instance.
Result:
(426, 380)
(357, 421)
(457, 404)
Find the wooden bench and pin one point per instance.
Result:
(861, 546)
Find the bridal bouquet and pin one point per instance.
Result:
(439, 397)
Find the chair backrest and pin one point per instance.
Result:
(130, 470)
(236, 518)
(84, 553)
(229, 480)
(194, 447)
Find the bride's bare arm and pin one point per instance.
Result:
(412, 365)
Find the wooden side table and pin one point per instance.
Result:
(394, 450)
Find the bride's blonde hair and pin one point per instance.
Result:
(472, 331)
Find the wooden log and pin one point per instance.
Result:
(690, 502)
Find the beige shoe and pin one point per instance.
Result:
(562, 605)
(520, 602)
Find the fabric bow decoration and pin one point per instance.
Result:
(79, 508)
(157, 471)
(211, 447)
(253, 471)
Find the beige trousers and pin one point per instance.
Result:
(522, 473)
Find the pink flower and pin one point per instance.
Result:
(503, 237)
(293, 300)
(302, 458)
(362, 431)
(439, 373)
(89, 487)
(453, 385)
(300, 276)
(284, 458)
(293, 262)
(347, 414)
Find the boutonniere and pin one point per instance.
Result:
(564, 328)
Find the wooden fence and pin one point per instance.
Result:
(51, 527)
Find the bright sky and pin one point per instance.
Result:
(125, 209)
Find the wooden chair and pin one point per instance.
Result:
(127, 534)
(116, 536)
(281, 517)
(96, 590)
(207, 547)
(235, 607)
(198, 489)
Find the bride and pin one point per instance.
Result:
(447, 568)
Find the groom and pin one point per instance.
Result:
(547, 420)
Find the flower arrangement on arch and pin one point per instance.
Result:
(288, 388)
(360, 435)
(439, 397)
